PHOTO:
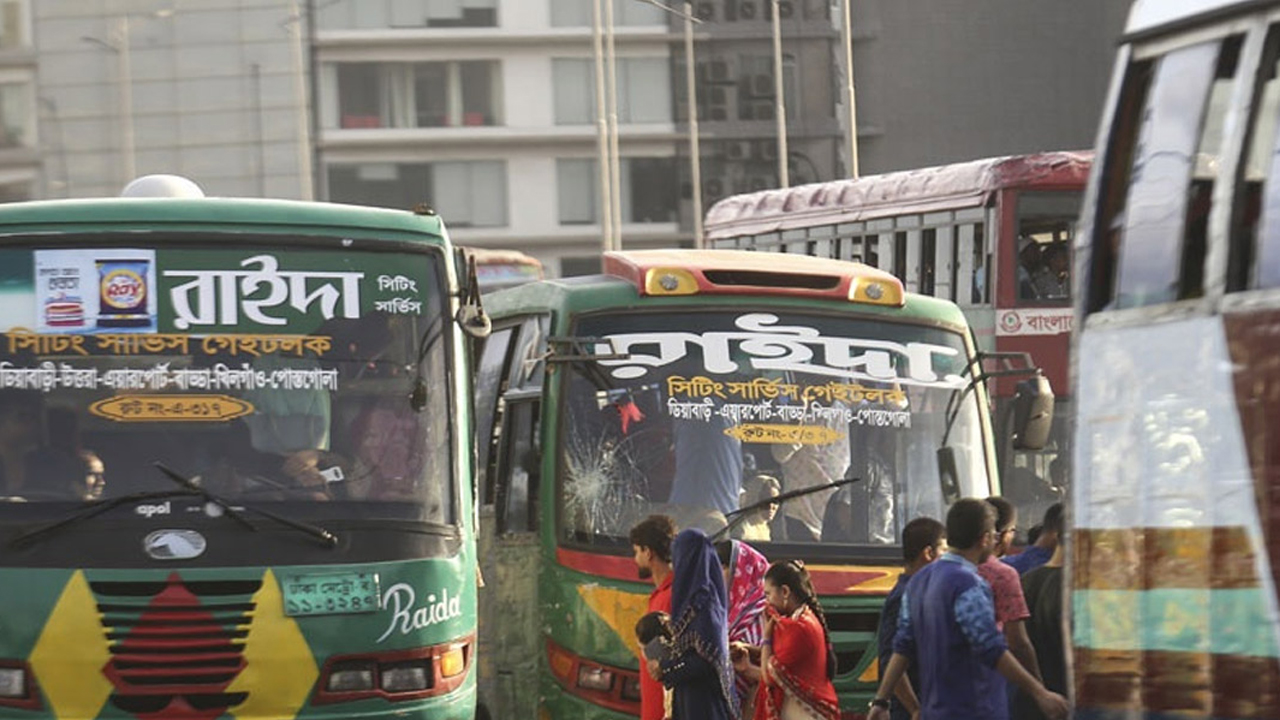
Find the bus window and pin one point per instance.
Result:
(490, 384)
(1046, 222)
(1256, 206)
(518, 473)
(1169, 183)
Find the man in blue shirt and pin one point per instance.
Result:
(947, 630)
(1041, 550)
(923, 541)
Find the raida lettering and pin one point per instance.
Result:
(407, 615)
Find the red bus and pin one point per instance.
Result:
(994, 236)
(501, 269)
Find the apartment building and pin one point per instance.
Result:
(485, 110)
(737, 97)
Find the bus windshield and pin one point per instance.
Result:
(700, 413)
(260, 375)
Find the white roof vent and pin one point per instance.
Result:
(161, 186)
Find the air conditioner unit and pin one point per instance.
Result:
(747, 10)
(706, 11)
(738, 149)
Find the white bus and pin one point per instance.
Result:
(1176, 499)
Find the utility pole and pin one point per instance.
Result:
(615, 162)
(603, 155)
(778, 90)
(695, 156)
(847, 40)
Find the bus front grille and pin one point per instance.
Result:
(176, 646)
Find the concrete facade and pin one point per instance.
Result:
(947, 82)
(211, 88)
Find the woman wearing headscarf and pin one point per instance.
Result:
(744, 569)
(797, 661)
(697, 668)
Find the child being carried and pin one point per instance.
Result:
(653, 631)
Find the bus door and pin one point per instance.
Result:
(508, 401)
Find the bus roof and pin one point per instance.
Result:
(967, 184)
(623, 284)
(114, 214)
(739, 272)
(1147, 16)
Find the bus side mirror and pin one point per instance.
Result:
(948, 475)
(1032, 413)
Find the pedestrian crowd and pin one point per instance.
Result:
(968, 632)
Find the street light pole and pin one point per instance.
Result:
(847, 40)
(124, 79)
(615, 173)
(602, 130)
(695, 156)
(306, 176)
(781, 107)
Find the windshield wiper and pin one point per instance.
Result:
(324, 536)
(97, 508)
(737, 516)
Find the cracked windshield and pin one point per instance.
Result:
(257, 374)
(737, 407)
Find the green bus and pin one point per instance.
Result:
(234, 470)
(690, 383)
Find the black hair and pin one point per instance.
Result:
(967, 521)
(919, 534)
(1005, 512)
(791, 574)
(653, 625)
(655, 534)
(1053, 518)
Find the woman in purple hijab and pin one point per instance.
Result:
(698, 669)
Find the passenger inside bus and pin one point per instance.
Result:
(62, 463)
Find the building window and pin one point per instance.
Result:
(466, 194)
(644, 90)
(577, 13)
(16, 122)
(427, 94)
(378, 14)
(648, 190)
(15, 192)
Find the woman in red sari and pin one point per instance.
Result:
(797, 661)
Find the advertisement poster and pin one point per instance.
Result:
(91, 291)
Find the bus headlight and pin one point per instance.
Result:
(407, 677)
(352, 678)
(13, 682)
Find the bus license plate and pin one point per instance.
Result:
(330, 593)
